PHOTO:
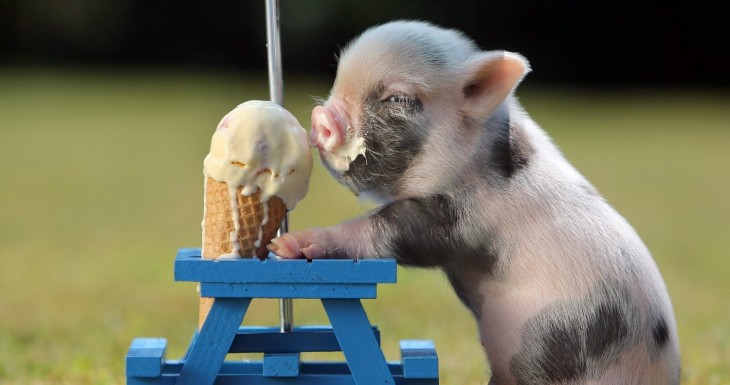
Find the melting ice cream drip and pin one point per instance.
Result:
(233, 236)
(264, 221)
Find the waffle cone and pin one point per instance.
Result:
(218, 221)
(218, 226)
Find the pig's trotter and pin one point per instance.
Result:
(289, 245)
(310, 244)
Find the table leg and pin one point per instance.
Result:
(214, 339)
(357, 341)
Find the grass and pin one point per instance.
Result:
(102, 182)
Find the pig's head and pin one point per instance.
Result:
(409, 107)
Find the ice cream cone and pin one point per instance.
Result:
(220, 232)
(240, 231)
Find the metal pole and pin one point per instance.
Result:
(276, 90)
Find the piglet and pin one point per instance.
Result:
(562, 288)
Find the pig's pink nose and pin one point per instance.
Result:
(327, 132)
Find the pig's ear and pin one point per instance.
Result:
(489, 78)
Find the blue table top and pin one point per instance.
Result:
(189, 266)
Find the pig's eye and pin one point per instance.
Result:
(401, 99)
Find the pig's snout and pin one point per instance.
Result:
(328, 128)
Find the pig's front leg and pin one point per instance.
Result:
(416, 231)
(353, 239)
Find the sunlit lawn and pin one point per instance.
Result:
(102, 182)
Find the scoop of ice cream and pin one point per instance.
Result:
(261, 146)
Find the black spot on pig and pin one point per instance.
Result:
(561, 360)
(423, 232)
(552, 351)
(658, 337)
(660, 333)
(419, 231)
(570, 340)
(394, 136)
(510, 148)
(606, 328)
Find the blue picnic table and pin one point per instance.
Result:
(339, 284)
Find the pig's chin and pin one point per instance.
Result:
(335, 163)
(338, 167)
(350, 181)
(338, 158)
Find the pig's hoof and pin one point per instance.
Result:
(285, 246)
(313, 251)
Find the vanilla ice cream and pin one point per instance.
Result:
(260, 145)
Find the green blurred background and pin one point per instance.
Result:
(106, 114)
